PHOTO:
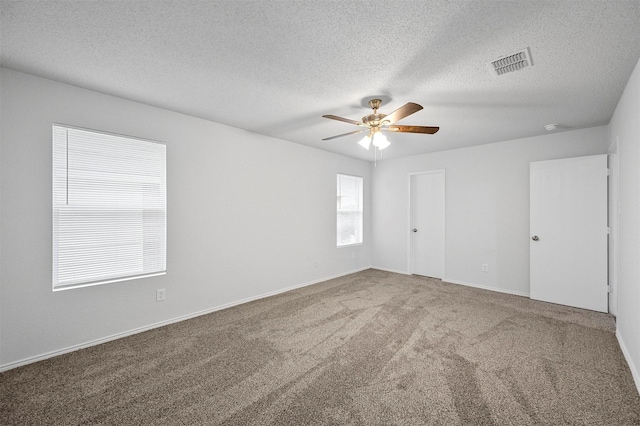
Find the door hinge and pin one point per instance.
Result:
(608, 230)
(609, 172)
(609, 289)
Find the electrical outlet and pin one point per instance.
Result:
(161, 294)
(485, 267)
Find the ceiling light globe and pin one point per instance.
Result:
(380, 141)
(365, 142)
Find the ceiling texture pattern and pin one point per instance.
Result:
(275, 67)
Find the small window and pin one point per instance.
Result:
(109, 208)
(349, 210)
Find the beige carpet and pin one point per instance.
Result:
(372, 348)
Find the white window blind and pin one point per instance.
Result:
(109, 208)
(349, 209)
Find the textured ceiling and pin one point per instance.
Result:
(275, 67)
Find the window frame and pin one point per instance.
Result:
(359, 211)
(158, 208)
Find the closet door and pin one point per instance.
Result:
(427, 224)
(568, 241)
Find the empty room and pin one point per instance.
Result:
(338, 212)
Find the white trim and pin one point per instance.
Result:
(115, 280)
(30, 360)
(613, 220)
(394, 271)
(409, 221)
(627, 356)
(350, 245)
(119, 135)
(485, 287)
(446, 280)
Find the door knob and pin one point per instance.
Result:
(415, 229)
(535, 238)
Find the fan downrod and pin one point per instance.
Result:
(374, 120)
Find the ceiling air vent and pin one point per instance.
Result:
(510, 63)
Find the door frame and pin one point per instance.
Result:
(613, 163)
(410, 219)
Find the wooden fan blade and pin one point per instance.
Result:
(346, 120)
(402, 112)
(413, 129)
(345, 134)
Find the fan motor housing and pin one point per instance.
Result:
(373, 120)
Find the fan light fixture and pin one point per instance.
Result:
(375, 123)
(365, 142)
(377, 138)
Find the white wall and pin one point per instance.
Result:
(624, 134)
(487, 206)
(247, 215)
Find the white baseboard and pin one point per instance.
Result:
(30, 360)
(390, 270)
(627, 356)
(485, 287)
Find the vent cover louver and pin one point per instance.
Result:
(510, 63)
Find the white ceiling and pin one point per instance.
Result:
(275, 67)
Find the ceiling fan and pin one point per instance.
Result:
(375, 123)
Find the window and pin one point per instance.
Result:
(109, 208)
(349, 210)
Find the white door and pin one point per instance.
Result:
(568, 244)
(427, 224)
